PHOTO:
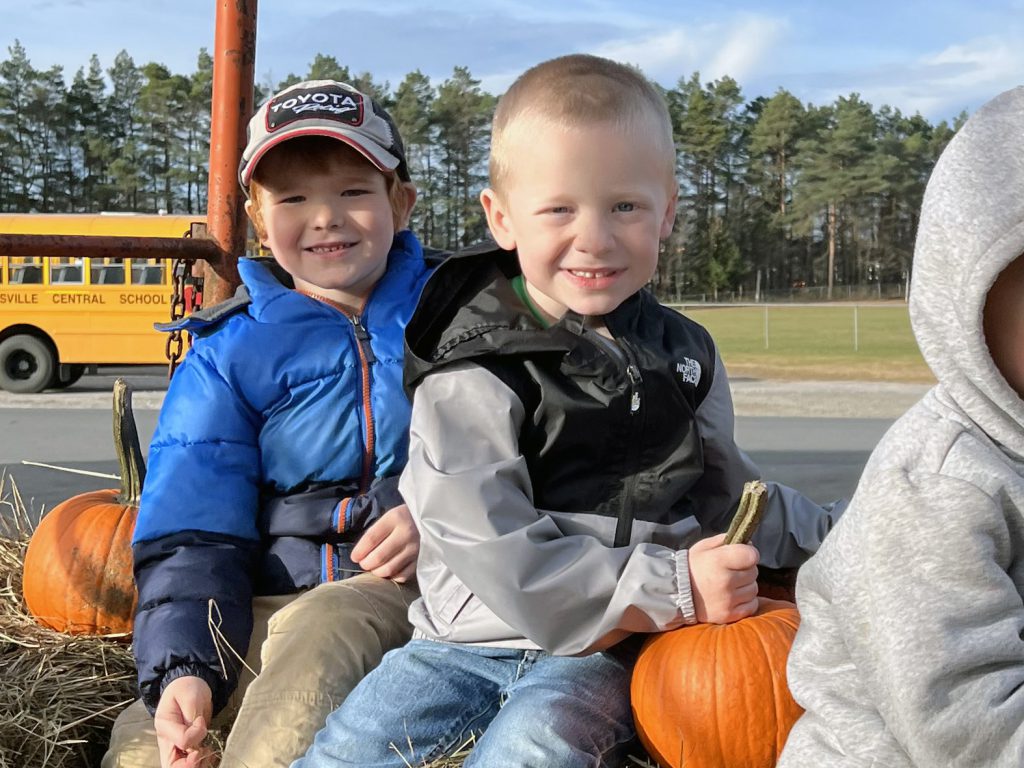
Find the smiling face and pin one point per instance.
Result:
(586, 208)
(330, 225)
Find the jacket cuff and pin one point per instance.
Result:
(207, 675)
(684, 593)
(385, 492)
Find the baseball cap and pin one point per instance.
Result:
(324, 108)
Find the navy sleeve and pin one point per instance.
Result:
(196, 539)
(334, 515)
(195, 606)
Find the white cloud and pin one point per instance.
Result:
(983, 61)
(957, 60)
(746, 47)
(498, 82)
(939, 85)
(656, 53)
(736, 48)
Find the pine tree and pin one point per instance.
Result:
(413, 103)
(90, 126)
(194, 127)
(773, 192)
(774, 137)
(156, 140)
(47, 122)
(707, 137)
(838, 170)
(323, 68)
(17, 171)
(462, 113)
(123, 107)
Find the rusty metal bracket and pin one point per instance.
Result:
(110, 246)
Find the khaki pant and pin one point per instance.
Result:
(309, 651)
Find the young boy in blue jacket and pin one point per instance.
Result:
(571, 464)
(271, 508)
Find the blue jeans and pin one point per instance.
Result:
(522, 709)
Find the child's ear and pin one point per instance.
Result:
(408, 200)
(498, 220)
(670, 213)
(255, 224)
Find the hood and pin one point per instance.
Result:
(469, 310)
(266, 291)
(971, 228)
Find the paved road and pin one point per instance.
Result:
(821, 455)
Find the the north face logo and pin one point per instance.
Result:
(327, 104)
(689, 370)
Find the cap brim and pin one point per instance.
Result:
(380, 158)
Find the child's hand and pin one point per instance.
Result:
(389, 547)
(723, 578)
(185, 708)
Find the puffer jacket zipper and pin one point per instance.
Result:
(366, 359)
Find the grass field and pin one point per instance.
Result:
(816, 342)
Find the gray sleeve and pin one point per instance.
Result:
(468, 487)
(793, 526)
(911, 623)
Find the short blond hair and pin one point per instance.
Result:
(319, 154)
(573, 91)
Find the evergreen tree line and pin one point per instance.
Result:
(776, 196)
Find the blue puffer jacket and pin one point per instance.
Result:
(269, 460)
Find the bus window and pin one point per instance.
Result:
(27, 272)
(66, 271)
(107, 272)
(104, 319)
(147, 273)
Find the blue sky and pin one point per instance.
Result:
(937, 57)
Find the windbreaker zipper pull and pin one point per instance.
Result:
(363, 338)
(634, 379)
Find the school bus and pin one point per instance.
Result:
(59, 315)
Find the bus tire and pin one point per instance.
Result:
(71, 373)
(27, 364)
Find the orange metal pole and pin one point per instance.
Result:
(234, 57)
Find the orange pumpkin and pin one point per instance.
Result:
(715, 695)
(78, 566)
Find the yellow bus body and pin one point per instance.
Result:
(88, 311)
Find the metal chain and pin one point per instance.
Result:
(184, 276)
(175, 346)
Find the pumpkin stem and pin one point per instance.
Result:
(126, 444)
(748, 514)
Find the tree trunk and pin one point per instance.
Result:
(831, 246)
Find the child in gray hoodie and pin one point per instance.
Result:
(911, 650)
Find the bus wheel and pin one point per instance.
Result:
(72, 373)
(26, 364)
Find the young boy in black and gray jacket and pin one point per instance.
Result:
(572, 462)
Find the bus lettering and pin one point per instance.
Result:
(93, 310)
(19, 298)
(78, 298)
(144, 298)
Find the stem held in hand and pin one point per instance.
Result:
(748, 513)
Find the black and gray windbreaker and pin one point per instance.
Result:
(558, 477)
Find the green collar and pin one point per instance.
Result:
(519, 286)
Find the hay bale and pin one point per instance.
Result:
(59, 694)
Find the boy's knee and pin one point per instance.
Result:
(132, 740)
(360, 607)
